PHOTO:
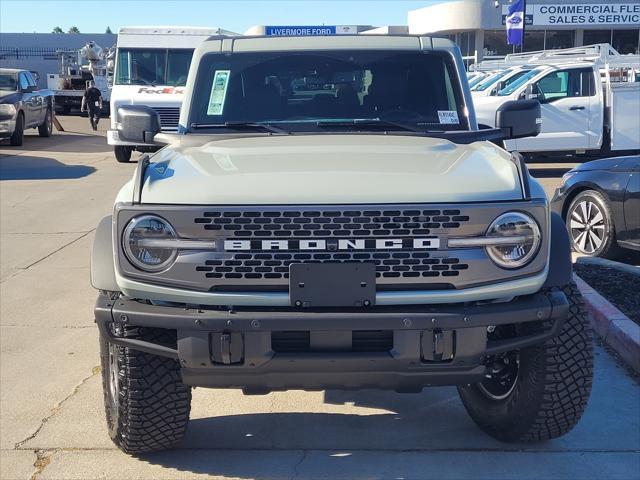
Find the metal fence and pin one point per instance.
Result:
(46, 53)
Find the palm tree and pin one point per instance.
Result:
(74, 29)
(57, 30)
(108, 30)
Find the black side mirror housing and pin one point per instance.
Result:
(137, 123)
(519, 118)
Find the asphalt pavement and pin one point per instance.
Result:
(53, 192)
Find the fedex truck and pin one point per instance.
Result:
(151, 68)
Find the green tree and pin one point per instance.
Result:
(108, 30)
(57, 30)
(74, 29)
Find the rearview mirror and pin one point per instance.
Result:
(519, 118)
(137, 123)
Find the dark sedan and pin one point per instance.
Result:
(600, 203)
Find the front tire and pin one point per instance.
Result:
(123, 153)
(590, 225)
(45, 129)
(546, 393)
(146, 404)
(17, 137)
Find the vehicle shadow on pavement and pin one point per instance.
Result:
(548, 172)
(23, 167)
(68, 142)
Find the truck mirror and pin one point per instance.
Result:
(137, 123)
(519, 118)
(532, 92)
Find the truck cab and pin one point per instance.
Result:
(151, 67)
(329, 215)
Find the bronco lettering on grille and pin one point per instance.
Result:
(335, 244)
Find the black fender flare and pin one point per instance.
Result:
(103, 273)
(560, 264)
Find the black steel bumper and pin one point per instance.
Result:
(431, 345)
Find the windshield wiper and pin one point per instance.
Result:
(368, 122)
(243, 126)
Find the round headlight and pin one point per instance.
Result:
(147, 243)
(516, 239)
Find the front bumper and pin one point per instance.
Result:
(7, 128)
(431, 344)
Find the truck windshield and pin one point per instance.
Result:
(489, 81)
(509, 89)
(153, 66)
(330, 89)
(8, 82)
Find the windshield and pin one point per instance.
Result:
(521, 81)
(8, 82)
(489, 81)
(330, 89)
(476, 80)
(153, 67)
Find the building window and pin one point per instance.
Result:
(626, 41)
(495, 44)
(533, 41)
(559, 39)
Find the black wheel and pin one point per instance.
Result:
(590, 225)
(539, 392)
(45, 129)
(123, 154)
(147, 406)
(17, 137)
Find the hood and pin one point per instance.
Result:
(8, 96)
(330, 169)
(602, 164)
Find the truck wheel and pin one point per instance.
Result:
(123, 154)
(147, 406)
(45, 129)
(590, 225)
(17, 137)
(539, 392)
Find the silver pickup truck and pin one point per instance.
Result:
(23, 105)
(329, 215)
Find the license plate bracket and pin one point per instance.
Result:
(332, 284)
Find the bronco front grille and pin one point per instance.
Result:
(330, 223)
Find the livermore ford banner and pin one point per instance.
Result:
(586, 14)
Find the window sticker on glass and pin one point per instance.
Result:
(218, 92)
(448, 117)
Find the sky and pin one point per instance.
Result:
(235, 15)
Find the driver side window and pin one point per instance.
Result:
(24, 82)
(561, 84)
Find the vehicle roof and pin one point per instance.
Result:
(334, 42)
(172, 30)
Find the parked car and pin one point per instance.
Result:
(23, 106)
(600, 203)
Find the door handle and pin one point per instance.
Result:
(577, 107)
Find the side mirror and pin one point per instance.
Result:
(519, 118)
(137, 123)
(29, 89)
(532, 92)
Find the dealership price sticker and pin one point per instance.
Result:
(449, 117)
(218, 92)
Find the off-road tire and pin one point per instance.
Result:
(609, 247)
(17, 137)
(153, 404)
(122, 153)
(552, 387)
(45, 129)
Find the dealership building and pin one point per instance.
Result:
(478, 26)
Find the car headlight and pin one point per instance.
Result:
(149, 243)
(515, 240)
(7, 109)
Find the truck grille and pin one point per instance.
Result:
(169, 117)
(331, 223)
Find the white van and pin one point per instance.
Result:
(151, 68)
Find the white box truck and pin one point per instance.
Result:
(151, 69)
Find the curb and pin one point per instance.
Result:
(623, 267)
(616, 329)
